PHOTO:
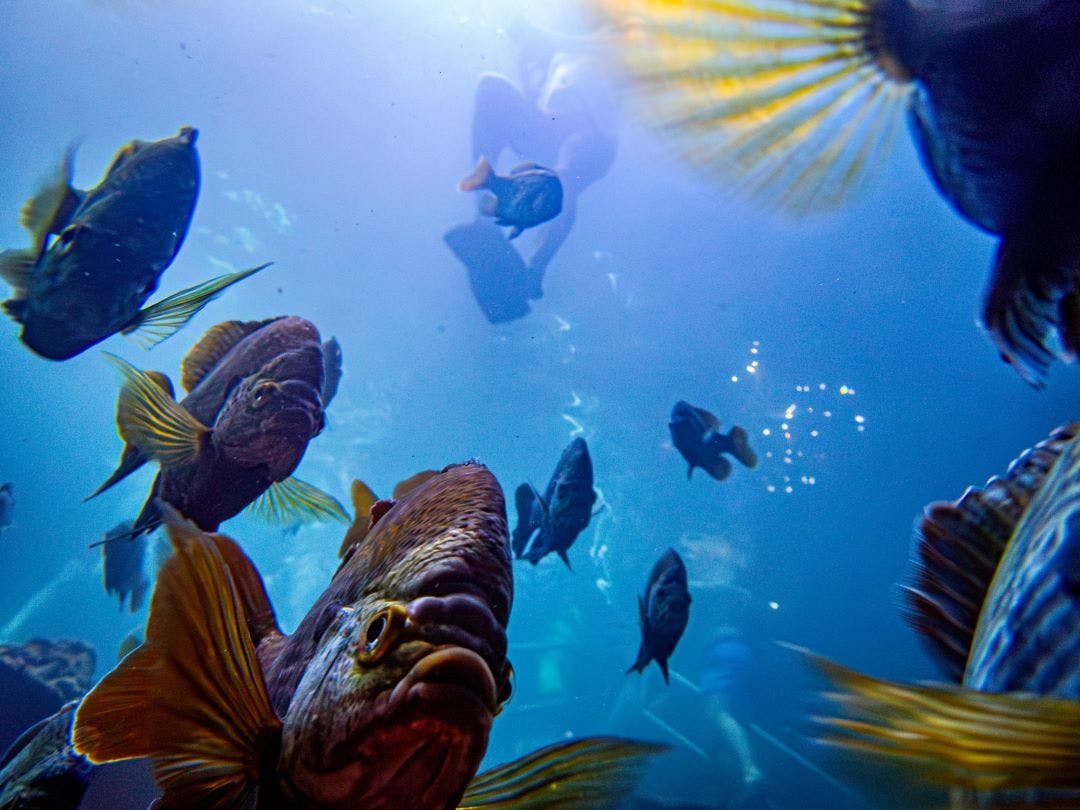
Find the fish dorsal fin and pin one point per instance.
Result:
(293, 500)
(992, 742)
(528, 166)
(211, 347)
(412, 482)
(710, 419)
(148, 418)
(163, 319)
(363, 498)
(572, 775)
(49, 211)
(192, 697)
(959, 546)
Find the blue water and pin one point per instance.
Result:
(332, 136)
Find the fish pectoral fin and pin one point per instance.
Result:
(293, 500)
(211, 347)
(562, 555)
(733, 84)
(50, 210)
(573, 775)
(155, 323)
(950, 736)
(16, 268)
(192, 696)
(149, 419)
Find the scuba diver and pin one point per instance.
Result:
(557, 119)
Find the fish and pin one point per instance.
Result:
(7, 506)
(994, 598)
(696, 435)
(795, 100)
(112, 243)
(41, 770)
(122, 566)
(382, 698)
(529, 196)
(663, 612)
(255, 399)
(551, 523)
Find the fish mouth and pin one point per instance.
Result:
(453, 683)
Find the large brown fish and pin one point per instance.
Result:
(997, 596)
(256, 399)
(112, 244)
(382, 698)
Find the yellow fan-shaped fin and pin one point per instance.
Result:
(295, 500)
(955, 737)
(159, 321)
(789, 100)
(573, 775)
(192, 696)
(152, 421)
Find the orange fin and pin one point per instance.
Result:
(479, 178)
(959, 546)
(363, 498)
(192, 697)
(412, 482)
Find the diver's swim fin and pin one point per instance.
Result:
(497, 274)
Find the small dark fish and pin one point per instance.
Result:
(112, 244)
(255, 401)
(999, 136)
(530, 195)
(41, 770)
(552, 523)
(122, 565)
(382, 698)
(696, 434)
(663, 612)
(995, 598)
(7, 506)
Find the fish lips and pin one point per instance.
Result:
(452, 684)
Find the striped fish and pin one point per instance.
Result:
(996, 596)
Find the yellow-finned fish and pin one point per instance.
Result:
(997, 597)
(112, 245)
(382, 698)
(794, 99)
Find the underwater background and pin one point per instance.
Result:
(332, 137)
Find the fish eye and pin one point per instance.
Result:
(380, 633)
(67, 237)
(263, 393)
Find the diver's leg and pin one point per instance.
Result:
(500, 116)
(555, 233)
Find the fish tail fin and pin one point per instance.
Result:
(479, 178)
(1032, 308)
(149, 419)
(662, 663)
(741, 449)
(163, 319)
(791, 99)
(16, 268)
(50, 210)
(572, 775)
(955, 737)
(192, 696)
(562, 555)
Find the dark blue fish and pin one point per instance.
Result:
(696, 434)
(7, 505)
(551, 523)
(122, 565)
(795, 98)
(663, 612)
(530, 195)
(112, 244)
(996, 596)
